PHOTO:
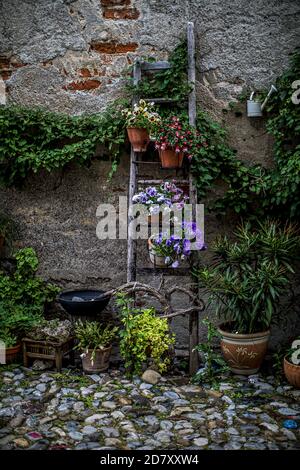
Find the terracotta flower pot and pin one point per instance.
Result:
(11, 354)
(243, 353)
(157, 260)
(170, 159)
(100, 361)
(139, 138)
(292, 373)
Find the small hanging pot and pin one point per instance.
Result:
(139, 138)
(171, 159)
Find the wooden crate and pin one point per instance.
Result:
(48, 350)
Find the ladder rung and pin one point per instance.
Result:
(155, 66)
(173, 180)
(141, 162)
(166, 271)
(161, 100)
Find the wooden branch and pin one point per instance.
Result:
(184, 311)
(134, 287)
(163, 298)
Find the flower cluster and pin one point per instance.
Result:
(181, 137)
(168, 194)
(142, 115)
(178, 246)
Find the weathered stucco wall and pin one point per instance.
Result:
(69, 56)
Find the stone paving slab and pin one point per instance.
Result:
(72, 411)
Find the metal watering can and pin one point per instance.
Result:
(255, 108)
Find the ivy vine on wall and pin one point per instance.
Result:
(34, 139)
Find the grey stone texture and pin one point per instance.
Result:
(68, 56)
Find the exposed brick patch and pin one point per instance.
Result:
(114, 48)
(83, 85)
(119, 10)
(121, 14)
(7, 66)
(112, 3)
(85, 72)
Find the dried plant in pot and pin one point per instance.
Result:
(95, 344)
(246, 280)
(291, 364)
(139, 122)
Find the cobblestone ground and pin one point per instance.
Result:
(106, 411)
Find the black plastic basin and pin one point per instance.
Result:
(92, 301)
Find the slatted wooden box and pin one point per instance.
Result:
(47, 350)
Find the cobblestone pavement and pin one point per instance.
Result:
(68, 410)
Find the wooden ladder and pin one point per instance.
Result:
(136, 162)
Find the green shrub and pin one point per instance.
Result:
(248, 276)
(144, 336)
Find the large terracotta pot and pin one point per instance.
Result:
(158, 261)
(139, 138)
(11, 354)
(292, 373)
(100, 362)
(243, 353)
(170, 159)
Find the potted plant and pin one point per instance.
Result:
(174, 139)
(291, 364)
(166, 249)
(95, 342)
(246, 280)
(144, 338)
(139, 122)
(160, 199)
(12, 346)
(15, 321)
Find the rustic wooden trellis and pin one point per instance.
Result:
(136, 162)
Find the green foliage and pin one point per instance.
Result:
(172, 83)
(284, 125)
(214, 364)
(22, 297)
(145, 336)
(92, 335)
(16, 320)
(23, 286)
(248, 276)
(253, 190)
(35, 139)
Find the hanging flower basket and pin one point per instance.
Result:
(139, 121)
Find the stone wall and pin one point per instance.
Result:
(69, 56)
